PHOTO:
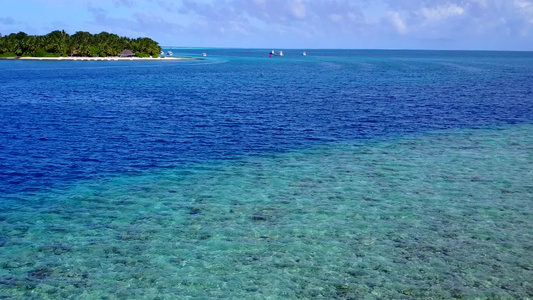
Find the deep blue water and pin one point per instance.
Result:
(65, 121)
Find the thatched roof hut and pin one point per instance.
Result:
(126, 53)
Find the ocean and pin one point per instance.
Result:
(343, 174)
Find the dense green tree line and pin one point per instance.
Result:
(60, 43)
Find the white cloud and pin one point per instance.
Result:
(526, 9)
(398, 22)
(523, 4)
(442, 12)
(298, 9)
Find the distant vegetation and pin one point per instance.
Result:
(59, 43)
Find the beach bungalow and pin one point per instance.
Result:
(126, 53)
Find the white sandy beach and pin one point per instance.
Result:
(75, 58)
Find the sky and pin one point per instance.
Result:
(278, 24)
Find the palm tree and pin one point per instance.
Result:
(58, 42)
(81, 41)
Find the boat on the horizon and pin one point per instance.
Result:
(169, 53)
(204, 54)
(304, 54)
(280, 53)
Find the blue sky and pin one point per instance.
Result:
(359, 24)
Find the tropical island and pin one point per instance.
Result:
(59, 44)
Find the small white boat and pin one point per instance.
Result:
(281, 53)
(304, 54)
(169, 53)
(272, 52)
(204, 54)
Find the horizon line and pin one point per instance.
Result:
(358, 49)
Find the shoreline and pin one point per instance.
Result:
(112, 58)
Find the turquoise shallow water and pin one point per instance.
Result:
(439, 215)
